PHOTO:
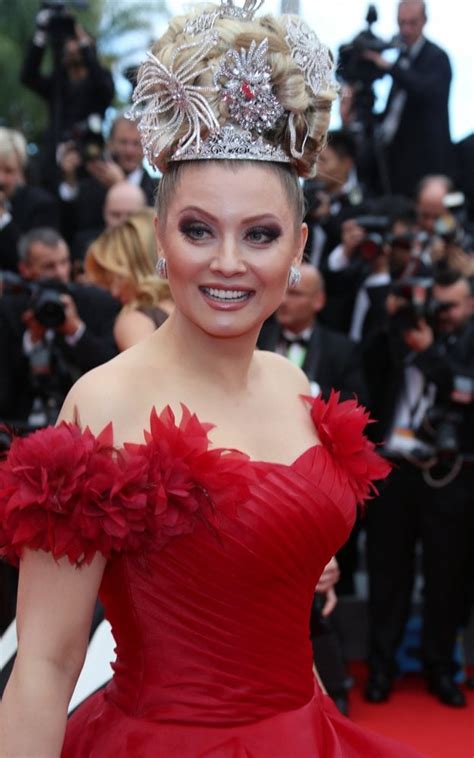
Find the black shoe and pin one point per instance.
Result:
(446, 690)
(378, 687)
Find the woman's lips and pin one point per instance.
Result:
(228, 298)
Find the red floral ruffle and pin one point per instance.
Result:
(340, 427)
(68, 492)
(73, 494)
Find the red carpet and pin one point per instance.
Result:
(415, 717)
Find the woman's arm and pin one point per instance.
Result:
(54, 612)
(131, 327)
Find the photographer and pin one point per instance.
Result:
(443, 226)
(415, 126)
(420, 372)
(51, 331)
(360, 261)
(333, 197)
(78, 86)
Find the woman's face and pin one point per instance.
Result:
(229, 239)
(121, 287)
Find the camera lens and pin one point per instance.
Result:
(49, 309)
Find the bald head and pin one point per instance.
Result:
(430, 201)
(301, 304)
(121, 201)
(311, 279)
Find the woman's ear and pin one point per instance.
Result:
(303, 238)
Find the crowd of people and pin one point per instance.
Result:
(383, 311)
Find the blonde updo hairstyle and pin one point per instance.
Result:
(311, 112)
(129, 250)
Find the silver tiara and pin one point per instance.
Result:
(175, 117)
(203, 22)
(234, 143)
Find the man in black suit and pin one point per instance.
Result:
(415, 125)
(21, 207)
(40, 357)
(414, 371)
(329, 359)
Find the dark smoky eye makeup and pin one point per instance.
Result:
(193, 227)
(268, 232)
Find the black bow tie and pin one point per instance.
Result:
(295, 339)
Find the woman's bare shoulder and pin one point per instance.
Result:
(281, 373)
(102, 394)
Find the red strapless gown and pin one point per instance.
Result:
(213, 561)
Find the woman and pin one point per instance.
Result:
(122, 260)
(207, 539)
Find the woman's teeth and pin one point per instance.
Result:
(227, 295)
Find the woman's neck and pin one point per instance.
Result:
(223, 361)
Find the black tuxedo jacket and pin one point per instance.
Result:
(96, 308)
(422, 142)
(30, 207)
(332, 360)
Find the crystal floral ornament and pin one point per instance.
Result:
(204, 22)
(244, 80)
(166, 99)
(309, 54)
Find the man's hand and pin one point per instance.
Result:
(43, 20)
(459, 260)
(377, 59)
(81, 35)
(3, 201)
(107, 172)
(420, 338)
(37, 331)
(351, 236)
(72, 321)
(325, 586)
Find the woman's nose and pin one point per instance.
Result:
(228, 259)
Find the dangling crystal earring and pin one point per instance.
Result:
(294, 277)
(162, 268)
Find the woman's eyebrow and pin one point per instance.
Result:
(248, 220)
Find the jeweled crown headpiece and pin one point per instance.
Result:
(209, 101)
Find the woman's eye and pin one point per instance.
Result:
(195, 231)
(262, 235)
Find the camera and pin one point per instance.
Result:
(441, 427)
(352, 66)
(449, 227)
(86, 137)
(375, 234)
(416, 292)
(62, 23)
(44, 297)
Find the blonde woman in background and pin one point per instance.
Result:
(122, 261)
